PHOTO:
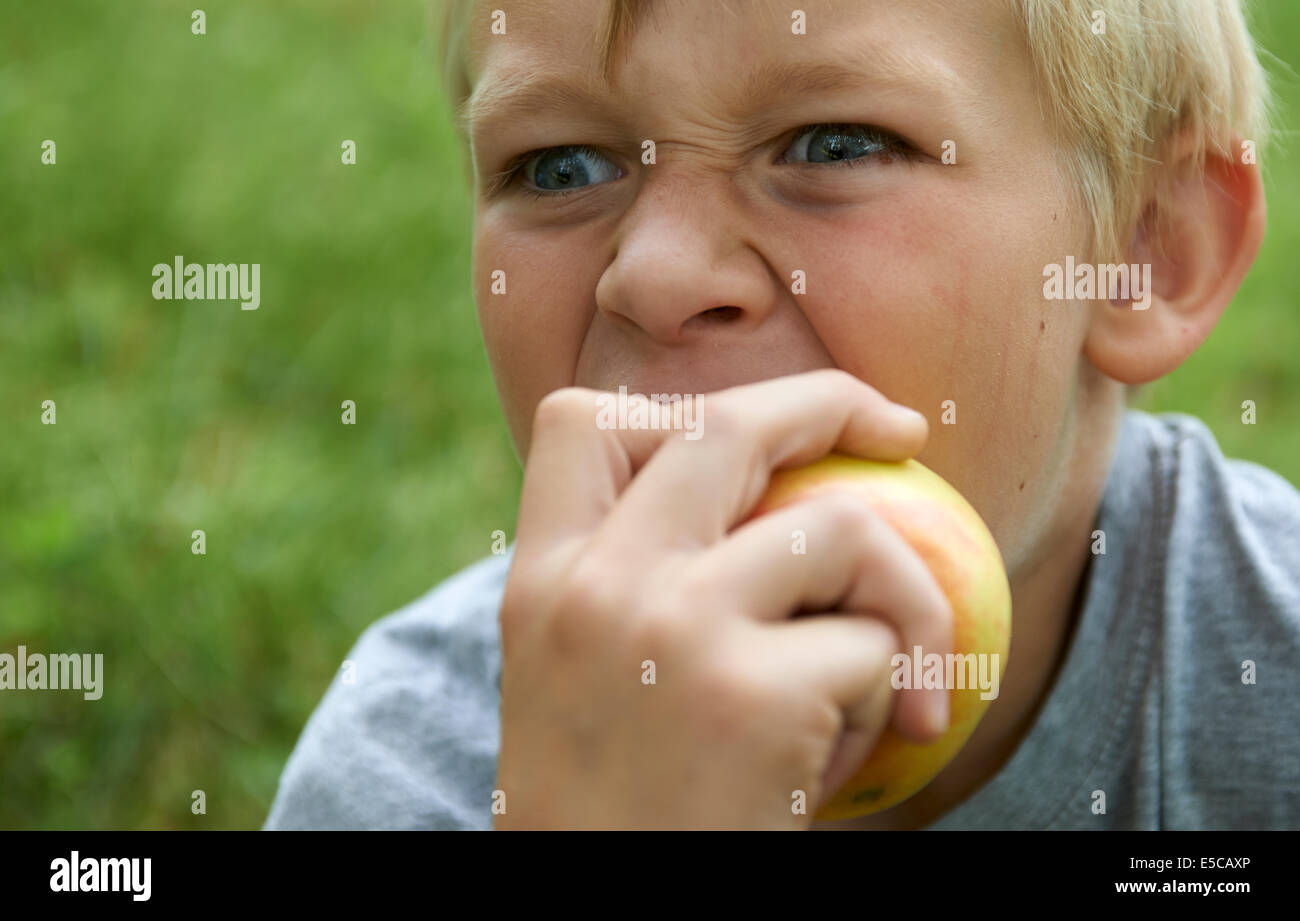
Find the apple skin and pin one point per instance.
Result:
(953, 541)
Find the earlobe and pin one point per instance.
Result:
(1199, 239)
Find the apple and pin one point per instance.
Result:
(956, 546)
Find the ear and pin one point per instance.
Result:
(1199, 241)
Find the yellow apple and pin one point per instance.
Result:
(953, 541)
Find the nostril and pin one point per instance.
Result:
(720, 314)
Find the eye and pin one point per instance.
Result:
(838, 143)
(556, 170)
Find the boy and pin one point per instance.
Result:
(844, 225)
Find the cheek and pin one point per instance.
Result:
(960, 332)
(533, 314)
(996, 400)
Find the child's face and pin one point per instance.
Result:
(923, 278)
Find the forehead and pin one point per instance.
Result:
(543, 33)
(640, 47)
(595, 34)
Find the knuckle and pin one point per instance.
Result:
(734, 427)
(724, 415)
(560, 407)
(588, 599)
(842, 381)
(570, 633)
(824, 720)
(520, 599)
(591, 588)
(658, 634)
(872, 709)
(850, 520)
(819, 717)
(671, 617)
(695, 588)
(882, 665)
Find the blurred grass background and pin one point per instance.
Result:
(176, 416)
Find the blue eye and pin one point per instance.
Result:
(556, 170)
(837, 143)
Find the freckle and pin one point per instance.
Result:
(1035, 434)
(1041, 326)
(1022, 487)
(1053, 215)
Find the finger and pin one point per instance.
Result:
(848, 658)
(852, 560)
(576, 468)
(851, 751)
(692, 492)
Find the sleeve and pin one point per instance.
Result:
(1232, 648)
(407, 734)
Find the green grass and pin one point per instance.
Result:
(177, 416)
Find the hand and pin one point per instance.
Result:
(628, 551)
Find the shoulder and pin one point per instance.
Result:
(1230, 629)
(406, 734)
(456, 619)
(1227, 521)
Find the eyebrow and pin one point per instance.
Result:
(505, 98)
(880, 67)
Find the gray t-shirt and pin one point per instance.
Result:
(1178, 699)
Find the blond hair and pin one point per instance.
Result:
(1117, 90)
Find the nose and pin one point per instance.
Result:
(685, 263)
